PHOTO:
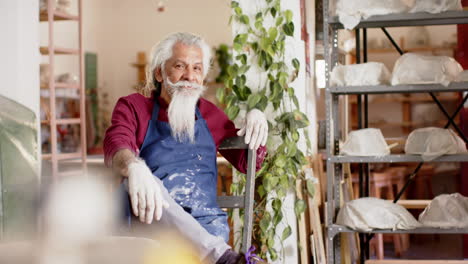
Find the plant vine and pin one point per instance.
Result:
(265, 48)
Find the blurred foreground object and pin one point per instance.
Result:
(19, 170)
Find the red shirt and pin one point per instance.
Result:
(131, 117)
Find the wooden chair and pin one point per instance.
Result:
(247, 200)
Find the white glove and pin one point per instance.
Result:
(255, 129)
(145, 192)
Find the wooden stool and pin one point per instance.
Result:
(384, 181)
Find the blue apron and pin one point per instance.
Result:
(187, 170)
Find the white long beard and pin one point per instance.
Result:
(181, 111)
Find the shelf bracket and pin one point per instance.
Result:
(392, 41)
(450, 118)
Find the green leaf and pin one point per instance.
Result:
(243, 69)
(266, 182)
(234, 4)
(277, 218)
(288, 29)
(258, 15)
(264, 224)
(300, 119)
(244, 19)
(272, 33)
(241, 39)
(258, 24)
(237, 47)
(261, 191)
(283, 79)
(242, 58)
(273, 12)
(220, 94)
(299, 207)
(296, 103)
(270, 243)
(279, 20)
(273, 254)
(310, 188)
(238, 10)
(291, 149)
(253, 100)
(232, 112)
(280, 161)
(288, 14)
(232, 70)
(286, 233)
(244, 93)
(295, 136)
(296, 64)
(273, 181)
(231, 99)
(276, 205)
(234, 187)
(262, 104)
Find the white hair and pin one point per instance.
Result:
(181, 112)
(162, 51)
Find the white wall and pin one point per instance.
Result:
(119, 29)
(19, 68)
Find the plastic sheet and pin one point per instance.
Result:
(350, 12)
(436, 6)
(414, 68)
(365, 142)
(446, 211)
(367, 214)
(371, 73)
(433, 142)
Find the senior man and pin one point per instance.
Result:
(165, 147)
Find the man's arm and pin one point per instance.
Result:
(121, 160)
(120, 146)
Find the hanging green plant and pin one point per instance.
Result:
(265, 48)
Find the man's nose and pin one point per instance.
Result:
(189, 75)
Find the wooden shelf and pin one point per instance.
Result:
(60, 85)
(60, 51)
(413, 204)
(64, 121)
(62, 156)
(58, 16)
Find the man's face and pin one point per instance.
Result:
(186, 64)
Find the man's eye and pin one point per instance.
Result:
(179, 66)
(198, 69)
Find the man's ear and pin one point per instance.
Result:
(158, 74)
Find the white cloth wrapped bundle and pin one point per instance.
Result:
(433, 142)
(436, 6)
(350, 12)
(462, 77)
(367, 214)
(365, 142)
(414, 68)
(371, 73)
(446, 211)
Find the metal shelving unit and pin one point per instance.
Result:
(335, 161)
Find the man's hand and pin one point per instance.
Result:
(145, 192)
(255, 129)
